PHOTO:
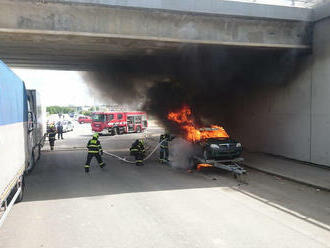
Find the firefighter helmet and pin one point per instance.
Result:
(96, 135)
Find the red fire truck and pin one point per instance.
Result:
(119, 122)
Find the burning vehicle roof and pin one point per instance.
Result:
(183, 118)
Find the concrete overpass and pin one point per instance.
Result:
(292, 120)
(77, 34)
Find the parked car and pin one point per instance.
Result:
(67, 126)
(84, 119)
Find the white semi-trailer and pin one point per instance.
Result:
(36, 128)
(21, 137)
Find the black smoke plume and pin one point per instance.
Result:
(208, 79)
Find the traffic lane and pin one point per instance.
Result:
(150, 206)
(62, 175)
(301, 200)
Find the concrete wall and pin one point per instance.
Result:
(276, 119)
(292, 120)
(320, 147)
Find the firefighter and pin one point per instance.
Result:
(94, 149)
(164, 152)
(137, 150)
(51, 136)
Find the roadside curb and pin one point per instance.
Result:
(287, 177)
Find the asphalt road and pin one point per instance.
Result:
(158, 206)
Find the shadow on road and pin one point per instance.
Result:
(61, 175)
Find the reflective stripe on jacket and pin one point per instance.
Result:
(94, 146)
(164, 139)
(51, 134)
(137, 147)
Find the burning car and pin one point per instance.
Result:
(214, 142)
(213, 146)
(219, 148)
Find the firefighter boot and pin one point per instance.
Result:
(86, 168)
(102, 165)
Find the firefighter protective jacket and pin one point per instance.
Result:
(94, 146)
(137, 147)
(52, 133)
(165, 138)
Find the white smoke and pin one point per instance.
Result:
(180, 153)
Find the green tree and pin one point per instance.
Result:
(60, 110)
(86, 112)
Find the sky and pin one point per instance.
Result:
(57, 87)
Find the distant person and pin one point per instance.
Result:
(94, 150)
(52, 136)
(59, 130)
(164, 151)
(137, 150)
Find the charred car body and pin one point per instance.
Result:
(213, 146)
(220, 149)
(220, 152)
(213, 143)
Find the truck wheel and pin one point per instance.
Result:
(21, 194)
(31, 163)
(39, 152)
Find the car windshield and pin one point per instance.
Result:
(98, 117)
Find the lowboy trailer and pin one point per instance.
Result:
(230, 165)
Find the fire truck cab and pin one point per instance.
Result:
(119, 122)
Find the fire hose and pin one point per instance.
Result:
(133, 162)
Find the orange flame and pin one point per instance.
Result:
(183, 118)
(200, 166)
